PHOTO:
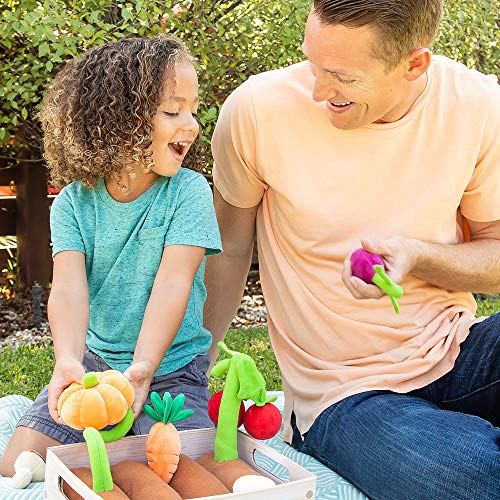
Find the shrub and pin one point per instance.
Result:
(232, 39)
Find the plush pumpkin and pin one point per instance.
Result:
(102, 399)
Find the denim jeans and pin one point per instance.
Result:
(439, 442)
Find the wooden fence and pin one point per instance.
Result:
(25, 214)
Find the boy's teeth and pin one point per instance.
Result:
(342, 103)
(181, 143)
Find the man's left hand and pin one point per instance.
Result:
(400, 255)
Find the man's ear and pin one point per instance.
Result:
(418, 63)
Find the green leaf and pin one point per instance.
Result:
(151, 413)
(157, 404)
(43, 49)
(24, 113)
(126, 14)
(182, 415)
(49, 65)
(177, 405)
(167, 404)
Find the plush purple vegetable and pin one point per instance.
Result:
(370, 268)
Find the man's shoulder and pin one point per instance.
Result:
(463, 84)
(277, 82)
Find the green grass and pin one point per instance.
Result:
(27, 369)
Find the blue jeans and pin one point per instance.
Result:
(439, 442)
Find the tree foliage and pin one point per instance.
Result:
(231, 39)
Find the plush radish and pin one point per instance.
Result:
(163, 446)
(243, 381)
(262, 421)
(370, 268)
(214, 406)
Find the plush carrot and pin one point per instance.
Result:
(163, 446)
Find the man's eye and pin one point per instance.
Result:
(341, 80)
(171, 114)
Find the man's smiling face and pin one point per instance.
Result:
(356, 86)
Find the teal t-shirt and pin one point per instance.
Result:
(123, 246)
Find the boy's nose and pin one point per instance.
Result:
(191, 124)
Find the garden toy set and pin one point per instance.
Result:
(168, 464)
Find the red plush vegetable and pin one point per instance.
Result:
(370, 268)
(214, 406)
(262, 422)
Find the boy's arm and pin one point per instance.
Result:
(163, 316)
(68, 311)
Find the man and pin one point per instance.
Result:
(371, 142)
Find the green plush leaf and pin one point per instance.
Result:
(151, 413)
(182, 415)
(157, 404)
(167, 404)
(177, 405)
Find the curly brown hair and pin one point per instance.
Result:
(97, 115)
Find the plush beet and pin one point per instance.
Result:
(262, 422)
(214, 405)
(362, 263)
(370, 268)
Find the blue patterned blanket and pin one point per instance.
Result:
(329, 485)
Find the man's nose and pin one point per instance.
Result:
(322, 88)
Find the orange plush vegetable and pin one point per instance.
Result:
(163, 446)
(102, 399)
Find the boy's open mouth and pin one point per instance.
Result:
(178, 149)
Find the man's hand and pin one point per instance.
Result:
(400, 256)
(140, 374)
(65, 373)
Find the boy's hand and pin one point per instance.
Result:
(65, 373)
(140, 374)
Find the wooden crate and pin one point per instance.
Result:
(60, 459)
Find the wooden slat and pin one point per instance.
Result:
(32, 223)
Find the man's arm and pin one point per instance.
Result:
(468, 267)
(226, 274)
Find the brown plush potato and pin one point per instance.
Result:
(85, 474)
(226, 472)
(140, 482)
(191, 480)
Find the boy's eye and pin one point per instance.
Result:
(195, 115)
(171, 114)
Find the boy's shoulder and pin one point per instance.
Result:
(187, 178)
(74, 192)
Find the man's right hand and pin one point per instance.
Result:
(65, 373)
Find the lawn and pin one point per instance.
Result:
(27, 369)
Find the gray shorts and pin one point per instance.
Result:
(191, 380)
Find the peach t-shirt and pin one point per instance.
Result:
(321, 190)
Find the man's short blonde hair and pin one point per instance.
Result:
(403, 25)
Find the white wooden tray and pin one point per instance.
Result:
(60, 459)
